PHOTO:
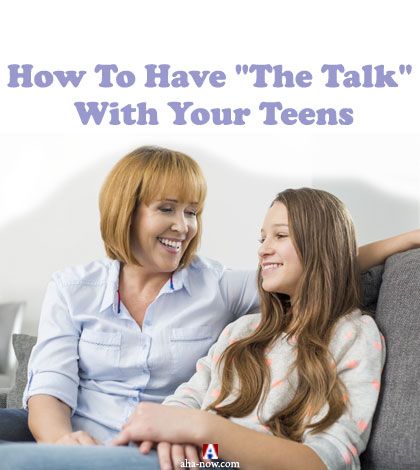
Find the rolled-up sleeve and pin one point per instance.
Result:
(53, 365)
(360, 355)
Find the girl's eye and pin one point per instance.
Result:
(281, 235)
(261, 240)
(191, 213)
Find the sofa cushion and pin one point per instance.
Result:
(3, 398)
(396, 426)
(371, 283)
(10, 322)
(22, 345)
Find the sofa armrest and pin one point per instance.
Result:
(3, 397)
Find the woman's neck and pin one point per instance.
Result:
(137, 279)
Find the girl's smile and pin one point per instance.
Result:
(281, 267)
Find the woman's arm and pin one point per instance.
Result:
(239, 291)
(49, 418)
(377, 252)
(49, 422)
(252, 449)
(51, 391)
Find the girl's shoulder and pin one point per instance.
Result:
(242, 327)
(355, 321)
(355, 330)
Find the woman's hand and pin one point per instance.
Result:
(78, 438)
(161, 423)
(377, 252)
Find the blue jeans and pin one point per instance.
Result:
(16, 456)
(54, 457)
(14, 425)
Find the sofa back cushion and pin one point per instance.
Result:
(395, 438)
(22, 345)
(11, 315)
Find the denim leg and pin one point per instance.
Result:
(14, 425)
(54, 457)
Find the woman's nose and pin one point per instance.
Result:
(180, 224)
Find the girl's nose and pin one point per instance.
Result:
(265, 248)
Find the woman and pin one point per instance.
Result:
(181, 301)
(130, 328)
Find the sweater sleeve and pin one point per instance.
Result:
(359, 352)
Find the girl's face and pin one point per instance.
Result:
(281, 267)
(161, 233)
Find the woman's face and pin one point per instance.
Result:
(281, 267)
(161, 233)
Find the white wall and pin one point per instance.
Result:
(49, 186)
(51, 166)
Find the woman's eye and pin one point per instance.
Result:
(165, 209)
(281, 235)
(261, 240)
(191, 213)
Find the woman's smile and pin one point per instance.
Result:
(162, 231)
(171, 245)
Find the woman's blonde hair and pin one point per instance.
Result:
(329, 288)
(146, 174)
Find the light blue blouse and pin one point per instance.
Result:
(94, 357)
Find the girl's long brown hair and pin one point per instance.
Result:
(329, 288)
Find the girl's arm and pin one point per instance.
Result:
(252, 449)
(256, 450)
(377, 252)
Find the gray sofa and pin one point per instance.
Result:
(11, 316)
(392, 296)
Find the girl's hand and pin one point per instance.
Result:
(160, 423)
(171, 455)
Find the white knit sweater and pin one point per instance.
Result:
(359, 352)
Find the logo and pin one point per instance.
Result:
(210, 451)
